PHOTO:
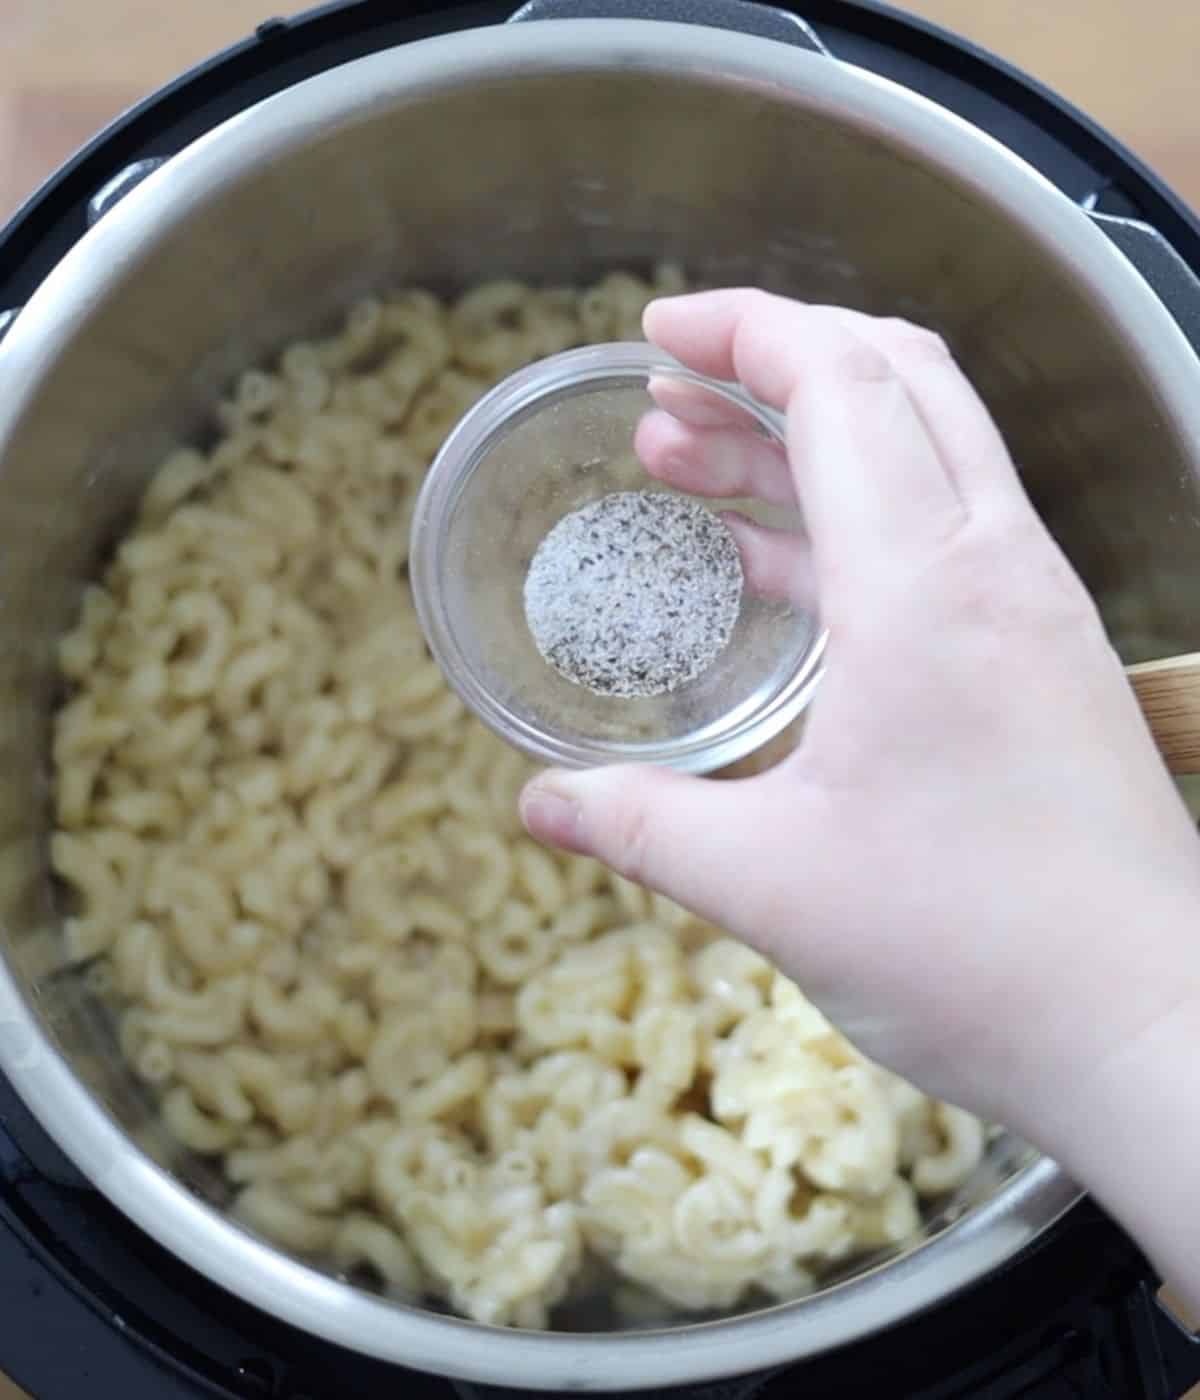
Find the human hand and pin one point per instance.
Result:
(974, 862)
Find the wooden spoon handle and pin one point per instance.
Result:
(1169, 693)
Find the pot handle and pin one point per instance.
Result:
(1168, 276)
(742, 16)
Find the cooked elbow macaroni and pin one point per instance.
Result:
(420, 1044)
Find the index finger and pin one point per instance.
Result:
(703, 330)
(871, 483)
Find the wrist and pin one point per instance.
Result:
(1129, 1133)
(1114, 985)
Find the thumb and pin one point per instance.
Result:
(710, 846)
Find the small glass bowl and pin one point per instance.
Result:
(543, 443)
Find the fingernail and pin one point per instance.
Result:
(551, 816)
(651, 307)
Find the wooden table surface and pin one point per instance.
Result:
(71, 65)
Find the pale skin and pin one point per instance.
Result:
(975, 862)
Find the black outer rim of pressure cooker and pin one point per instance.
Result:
(90, 1299)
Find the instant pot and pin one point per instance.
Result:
(845, 152)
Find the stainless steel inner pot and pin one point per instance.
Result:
(553, 150)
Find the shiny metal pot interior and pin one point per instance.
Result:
(552, 151)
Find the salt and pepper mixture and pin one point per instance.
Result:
(635, 594)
